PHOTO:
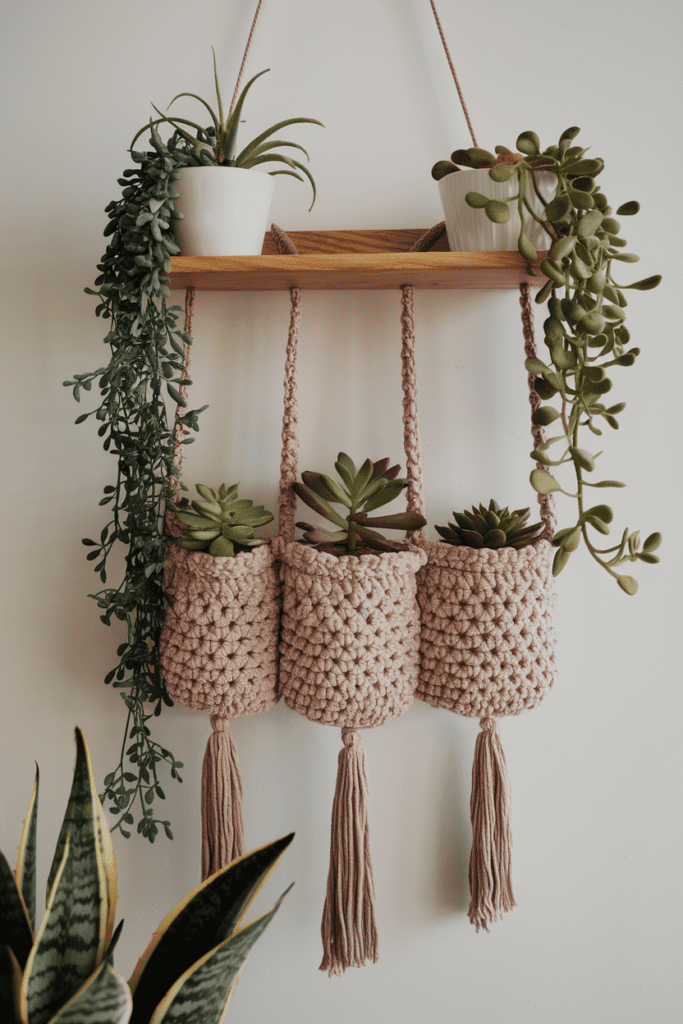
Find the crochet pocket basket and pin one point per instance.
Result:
(350, 644)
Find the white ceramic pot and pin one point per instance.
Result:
(225, 211)
(470, 230)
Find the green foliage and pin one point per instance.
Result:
(492, 527)
(585, 330)
(217, 143)
(146, 357)
(362, 490)
(221, 524)
(65, 975)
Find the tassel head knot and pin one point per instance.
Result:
(219, 723)
(350, 737)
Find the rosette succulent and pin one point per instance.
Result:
(361, 491)
(222, 523)
(492, 527)
(217, 144)
(585, 331)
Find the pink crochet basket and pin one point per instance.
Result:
(349, 657)
(218, 652)
(488, 649)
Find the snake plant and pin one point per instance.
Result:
(585, 332)
(217, 144)
(64, 974)
(365, 489)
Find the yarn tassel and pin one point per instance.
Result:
(489, 872)
(222, 825)
(348, 927)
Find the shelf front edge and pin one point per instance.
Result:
(435, 270)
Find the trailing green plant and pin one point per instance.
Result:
(146, 357)
(361, 491)
(217, 144)
(221, 524)
(585, 331)
(492, 527)
(64, 972)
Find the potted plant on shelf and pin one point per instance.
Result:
(65, 972)
(585, 331)
(218, 648)
(226, 214)
(349, 655)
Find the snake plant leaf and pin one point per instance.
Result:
(203, 991)
(15, 926)
(26, 860)
(103, 999)
(256, 146)
(628, 209)
(543, 482)
(90, 876)
(10, 985)
(205, 918)
(628, 584)
(229, 132)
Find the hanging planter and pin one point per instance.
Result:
(223, 203)
(349, 649)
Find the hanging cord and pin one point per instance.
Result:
(453, 72)
(411, 433)
(545, 501)
(244, 59)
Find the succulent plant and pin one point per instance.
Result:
(492, 527)
(222, 523)
(362, 491)
(217, 143)
(64, 972)
(585, 331)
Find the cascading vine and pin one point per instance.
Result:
(147, 354)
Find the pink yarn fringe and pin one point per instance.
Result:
(222, 825)
(348, 927)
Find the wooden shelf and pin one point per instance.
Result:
(353, 260)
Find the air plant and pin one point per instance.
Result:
(221, 524)
(216, 145)
(585, 330)
(492, 527)
(362, 491)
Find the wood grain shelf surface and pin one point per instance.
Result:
(338, 260)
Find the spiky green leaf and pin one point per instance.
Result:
(205, 918)
(15, 928)
(26, 860)
(103, 999)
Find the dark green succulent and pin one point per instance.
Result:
(585, 331)
(492, 527)
(221, 136)
(365, 489)
(221, 524)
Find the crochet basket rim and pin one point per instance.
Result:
(459, 555)
(306, 558)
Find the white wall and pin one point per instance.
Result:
(596, 770)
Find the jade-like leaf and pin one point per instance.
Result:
(543, 482)
(476, 200)
(560, 560)
(15, 928)
(104, 998)
(10, 984)
(529, 143)
(497, 211)
(652, 542)
(562, 247)
(589, 223)
(582, 458)
(646, 284)
(202, 992)
(557, 209)
(628, 584)
(206, 917)
(443, 167)
(628, 209)
(502, 172)
(603, 512)
(26, 860)
(544, 416)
